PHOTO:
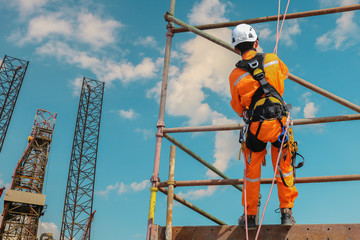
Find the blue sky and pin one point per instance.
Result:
(122, 43)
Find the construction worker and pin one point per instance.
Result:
(257, 86)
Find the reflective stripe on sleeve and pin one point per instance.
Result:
(271, 63)
(241, 77)
(240, 115)
(252, 179)
(285, 174)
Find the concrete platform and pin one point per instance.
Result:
(268, 232)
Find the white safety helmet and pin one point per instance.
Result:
(243, 33)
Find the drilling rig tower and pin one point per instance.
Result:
(12, 73)
(24, 202)
(81, 179)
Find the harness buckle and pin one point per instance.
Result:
(259, 76)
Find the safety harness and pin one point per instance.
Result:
(266, 104)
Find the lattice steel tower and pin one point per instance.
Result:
(80, 185)
(24, 202)
(12, 73)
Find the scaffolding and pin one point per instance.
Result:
(78, 204)
(155, 232)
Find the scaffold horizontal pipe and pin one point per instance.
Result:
(274, 18)
(229, 127)
(325, 93)
(170, 18)
(193, 207)
(199, 159)
(211, 182)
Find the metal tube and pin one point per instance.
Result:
(212, 182)
(198, 158)
(324, 92)
(153, 191)
(229, 127)
(170, 18)
(193, 207)
(274, 18)
(170, 195)
(160, 124)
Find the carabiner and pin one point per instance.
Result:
(281, 136)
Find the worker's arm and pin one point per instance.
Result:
(284, 70)
(235, 98)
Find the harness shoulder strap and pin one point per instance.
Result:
(255, 67)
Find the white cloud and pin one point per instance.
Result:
(96, 31)
(76, 85)
(48, 227)
(333, 3)
(310, 110)
(346, 32)
(26, 7)
(130, 114)
(207, 11)
(44, 26)
(290, 30)
(140, 186)
(199, 193)
(61, 34)
(306, 95)
(106, 69)
(344, 35)
(265, 34)
(121, 188)
(226, 147)
(295, 111)
(146, 133)
(70, 26)
(201, 71)
(148, 41)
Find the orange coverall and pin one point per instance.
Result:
(242, 89)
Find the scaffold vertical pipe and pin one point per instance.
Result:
(160, 124)
(170, 195)
(12, 73)
(78, 204)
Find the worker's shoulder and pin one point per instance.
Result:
(271, 57)
(236, 73)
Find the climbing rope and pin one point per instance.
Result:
(242, 150)
(278, 33)
(288, 121)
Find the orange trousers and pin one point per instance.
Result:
(269, 132)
